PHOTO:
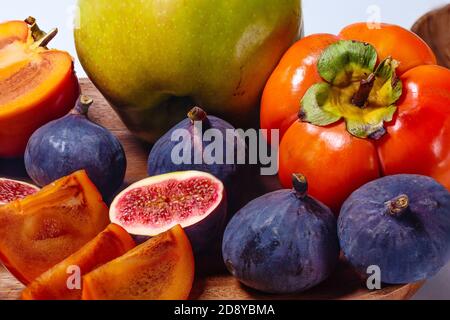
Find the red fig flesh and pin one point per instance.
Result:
(195, 200)
(11, 190)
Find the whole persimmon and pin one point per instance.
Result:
(351, 108)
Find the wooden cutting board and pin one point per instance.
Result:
(344, 284)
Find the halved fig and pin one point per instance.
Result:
(195, 200)
(37, 85)
(160, 269)
(43, 229)
(61, 281)
(11, 190)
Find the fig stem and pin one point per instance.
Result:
(365, 88)
(300, 184)
(398, 206)
(83, 105)
(197, 114)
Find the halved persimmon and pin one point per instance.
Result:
(43, 229)
(160, 269)
(13, 31)
(61, 281)
(37, 85)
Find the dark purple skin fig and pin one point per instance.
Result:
(284, 242)
(72, 143)
(400, 224)
(193, 199)
(232, 175)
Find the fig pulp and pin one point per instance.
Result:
(197, 124)
(37, 85)
(11, 190)
(160, 269)
(193, 199)
(45, 228)
(56, 283)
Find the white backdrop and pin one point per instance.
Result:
(320, 16)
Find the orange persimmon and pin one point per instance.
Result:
(353, 107)
(113, 242)
(160, 269)
(294, 75)
(45, 228)
(37, 85)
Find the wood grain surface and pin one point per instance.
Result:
(344, 284)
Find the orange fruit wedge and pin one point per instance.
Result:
(43, 229)
(63, 281)
(160, 269)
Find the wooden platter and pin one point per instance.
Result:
(343, 285)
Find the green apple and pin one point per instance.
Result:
(154, 59)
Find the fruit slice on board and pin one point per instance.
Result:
(43, 229)
(63, 281)
(37, 85)
(11, 190)
(195, 200)
(160, 269)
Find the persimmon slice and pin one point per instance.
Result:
(24, 82)
(160, 269)
(37, 84)
(13, 31)
(56, 283)
(43, 229)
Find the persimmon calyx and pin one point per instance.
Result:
(354, 89)
(41, 38)
(36, 32)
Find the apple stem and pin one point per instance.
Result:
(300, 185)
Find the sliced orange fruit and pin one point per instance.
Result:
(43, 229)
(160, 269)
(63, 281)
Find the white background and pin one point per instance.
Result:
(320, 16)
